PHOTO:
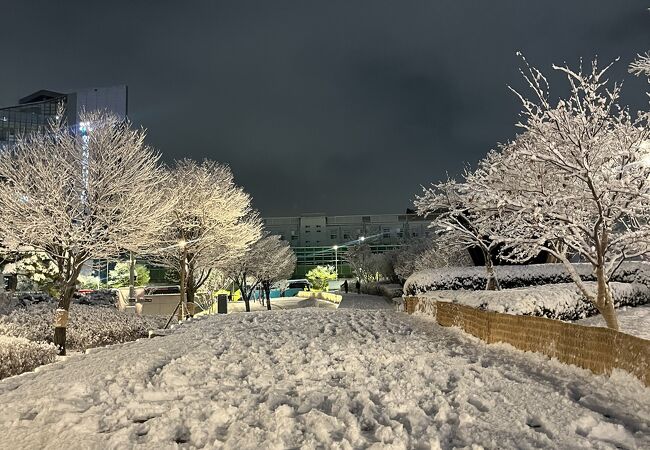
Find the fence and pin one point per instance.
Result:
(598, 349)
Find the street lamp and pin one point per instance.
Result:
(336, 260)
(362, 238)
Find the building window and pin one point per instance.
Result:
(333, 236)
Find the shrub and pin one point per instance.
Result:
(559, 301)
(89, 326)
(474, 278)
(18, 355)
(320, 275)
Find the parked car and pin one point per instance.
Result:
(160, 300)
(295, 286)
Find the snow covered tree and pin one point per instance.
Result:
(280, 264)
(459, 222)
(359, 256)
(269, 259)
(212, 224)
(428, 253)
(76, 195)
(641, 66)
(587, 185)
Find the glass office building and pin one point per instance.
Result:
(31, 115)
(33, 112)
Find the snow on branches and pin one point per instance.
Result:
(576, 182)
(78, 195)
(269, 259)
(460, 222)
(212, 223)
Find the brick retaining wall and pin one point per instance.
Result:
(598, 349)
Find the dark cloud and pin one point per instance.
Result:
(332, 106)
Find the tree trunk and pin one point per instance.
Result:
(61, 316)
(604, 301)
(12, 282)
(267, 290)
(190, 291)
(131, 278)
(492, 281)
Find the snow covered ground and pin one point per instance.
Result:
(319, 378)
(634, 321)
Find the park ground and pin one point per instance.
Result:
(353, 377)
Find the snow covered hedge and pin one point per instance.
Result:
(474, 278)
(18, 355)
(89, 326)
(559, 301)
(387, 290)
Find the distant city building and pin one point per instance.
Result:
(34, 111)
(314, 236)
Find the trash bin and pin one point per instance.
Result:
(222, 304)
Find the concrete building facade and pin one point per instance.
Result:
(314, 237)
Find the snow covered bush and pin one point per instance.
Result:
(474, 278)
(559, 301)
(387, 290)
(320, 276)
(18, 355)
(90, 326)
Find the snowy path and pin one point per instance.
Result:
(319, 378)
(364, 301)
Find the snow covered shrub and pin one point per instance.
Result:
(18, 355)
(474, 278)
(388, 290)
(89, 326)
(320, 276)
(104, 297)
(562, 301)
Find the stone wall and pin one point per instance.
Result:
(598, 349)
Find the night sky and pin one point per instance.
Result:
(341, 107)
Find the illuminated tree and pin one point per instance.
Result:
(268, 260)
(76, 195)
(576, 180)
(211, 227)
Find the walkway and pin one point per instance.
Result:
(319, 378)
(364, 301)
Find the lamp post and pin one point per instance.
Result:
(336, 260)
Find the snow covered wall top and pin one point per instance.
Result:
(474, 278)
